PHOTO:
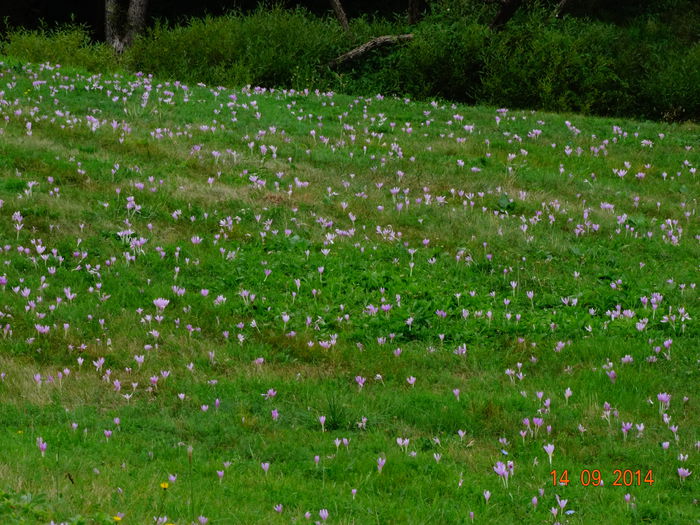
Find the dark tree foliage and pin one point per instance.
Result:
(31, 14)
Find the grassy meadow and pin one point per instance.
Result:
(269, 306)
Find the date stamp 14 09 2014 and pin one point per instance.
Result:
(594, 477)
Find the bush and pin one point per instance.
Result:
(67, 45)
(566, 65)
(673, 90)
(272, 47)
(592, 67)
(443, 60)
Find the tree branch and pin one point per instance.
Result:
(508, 9)
(561, 7)
(340, 14)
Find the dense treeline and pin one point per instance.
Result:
(641, 59)
(32, 14)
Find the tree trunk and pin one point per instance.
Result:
(414, 11)
(508, 9)
(137, 18)
(115, 20)
(380, 41)
(340, 14)
(124, 20)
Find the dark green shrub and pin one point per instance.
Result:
(67, 45)
(558, 65)
(443, 60)
(673, 90)
(272, 47)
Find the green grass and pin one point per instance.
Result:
(72, 186)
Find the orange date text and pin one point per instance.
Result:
(594, 477)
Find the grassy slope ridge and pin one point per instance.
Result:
(365, 262)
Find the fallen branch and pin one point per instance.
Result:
(380, 41)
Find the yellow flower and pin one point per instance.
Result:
(117, 518)
(164, 485)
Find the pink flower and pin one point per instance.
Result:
(549, 449)
(161, 303)
(269, 394)
(683, 473)
(41, 444)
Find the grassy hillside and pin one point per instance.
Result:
(246, 305)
